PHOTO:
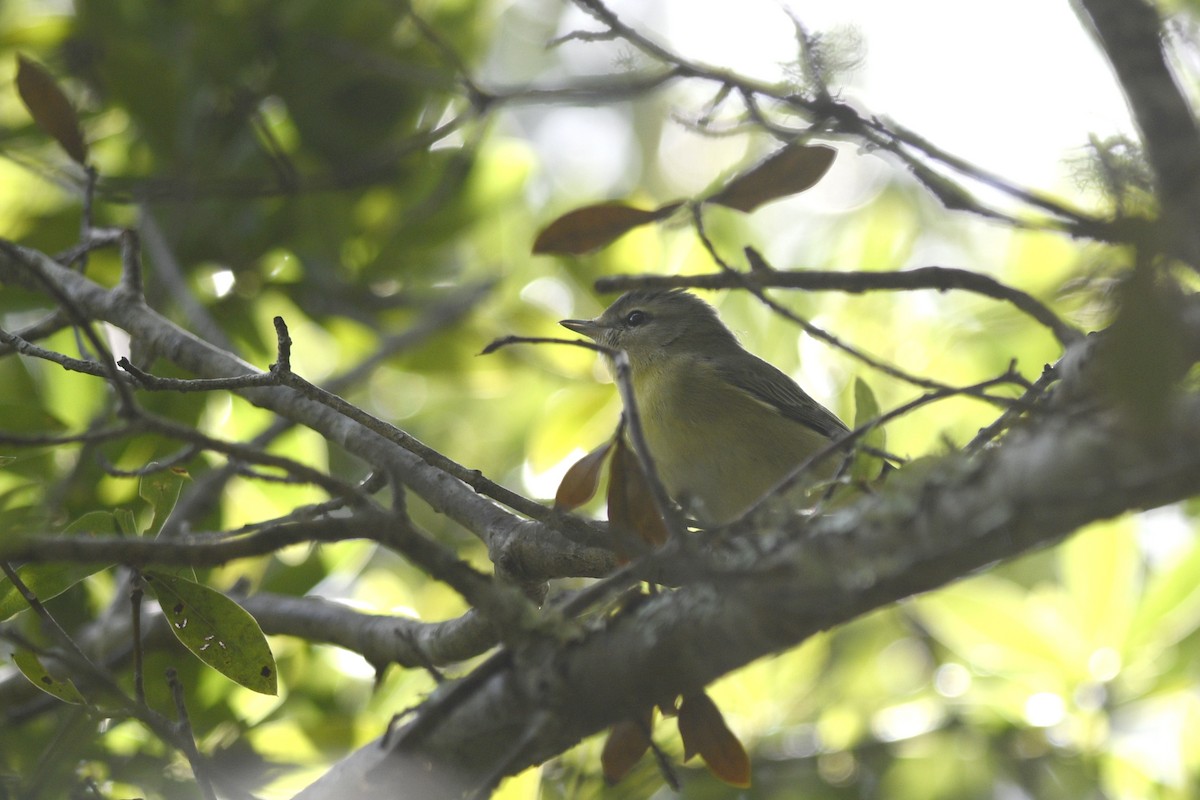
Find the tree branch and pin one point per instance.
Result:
(569, 543)
(1129, 33)
(771, 588)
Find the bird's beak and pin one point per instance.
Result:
(588, 327)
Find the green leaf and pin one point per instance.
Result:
(1101, 570)
(217, 630)
(1170, 607)
(126, 522)
(45, 581)
(50, 580)
(998, 627)
(161, 491)
(102, 522)
(866, 466)
(36, 674)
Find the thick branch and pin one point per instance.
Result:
(767, 590)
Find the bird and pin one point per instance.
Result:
(722, 425)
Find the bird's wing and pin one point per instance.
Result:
(773, 387)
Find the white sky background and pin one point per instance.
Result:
(1015, 87)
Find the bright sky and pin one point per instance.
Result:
(1015, 87)
(1012, 86)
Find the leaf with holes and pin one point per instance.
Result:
(789, 170)
(217, 630)
(36, 674)
(582, 479)
(592, 227)
(627, 742)
(50, 108)
(703, 730)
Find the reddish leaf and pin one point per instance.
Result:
(631, 508)
(627, 742)
(592, 227)
(582, 479)
(50, 108)
(789, 170)
(704, 731)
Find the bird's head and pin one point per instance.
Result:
(653, 324)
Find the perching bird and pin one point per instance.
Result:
(722, 425)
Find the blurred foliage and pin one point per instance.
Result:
(278, 149)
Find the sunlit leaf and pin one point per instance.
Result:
(990, 622)
(217, 630)
(789, 170)
(33, 670)
(50, 108)
(45, 581)
(49, 580)
(591, 227)
(627, 742)
(1101, 570)
(703, 730)
(1170, 606)
(866, 466)
(582, 480)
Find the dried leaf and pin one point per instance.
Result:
(627, 742)
(789, 170)
(703, 730)
(631, 508)
(50, 108)
(582, 479)
(592, 227)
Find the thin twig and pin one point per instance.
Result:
(136, 592)
(637, 436)
(391, 433)
(933, 278)
(187, 736)
(814, 330)
(842, 442)
(25, 348)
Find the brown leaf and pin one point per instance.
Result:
(582, 479)
(631, 508)
(703, 730)
(789, 170)
(627, 742)
(592, 227)
(50, 108)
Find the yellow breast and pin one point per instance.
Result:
(717, 448)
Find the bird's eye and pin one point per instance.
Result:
(635, 318)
